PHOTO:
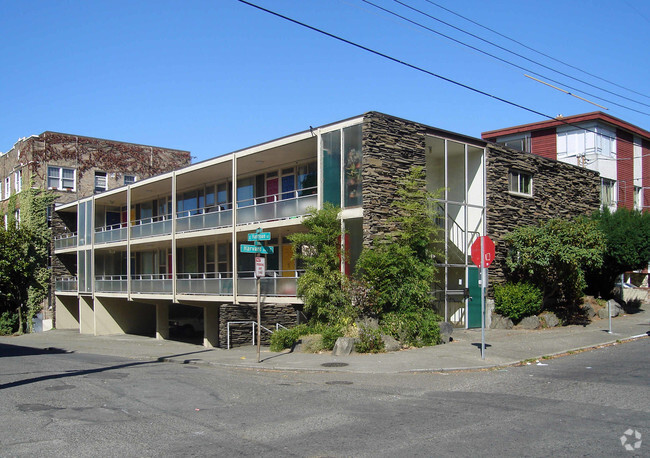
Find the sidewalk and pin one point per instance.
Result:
(503, 347)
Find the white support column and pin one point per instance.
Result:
(174, 263)
(234, 228)
(128, 243)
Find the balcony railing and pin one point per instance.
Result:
(68, 240)
(203, 218)
(151, 283)
(65, 284)
(275, 283)
(278, 206)
(112, 233)
(111, 283)
(218, 283)
(150, 227)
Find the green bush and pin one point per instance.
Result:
(8, 323)
(330, 334)
(415, 328)
(369, 341)
(286, 338)
(517, 300)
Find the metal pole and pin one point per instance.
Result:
(483, 278)
(609, 312)
(259, 320)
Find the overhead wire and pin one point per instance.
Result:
(501, 59)
(536, 50)
(420, 69)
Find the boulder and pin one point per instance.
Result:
(367, 322)
(390, 344)
(549, 319)
(500, 322)
(589, 310)
(343, 346)
(530, 322)
(446, 329)
(614, 308)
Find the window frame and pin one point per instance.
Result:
(100, 174)
(611, 191)
(18, 181)
(60, 179)
(519, 175)
(133, 179)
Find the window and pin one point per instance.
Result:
(17, 217)
(638, 199)
(608, 193)
(61, 178)
(101, 183)
(591, 139)
(129, 179)
(518, 142)
(7, 187)
(521, 183)
(6, 218)
(18, 181)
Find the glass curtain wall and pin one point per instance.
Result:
(456, 170)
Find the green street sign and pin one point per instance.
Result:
(256, 236)
(255, 249)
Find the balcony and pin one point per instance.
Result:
(65, 284)
(111, 284)
(151, 227)
(203, 218)
(108, 234)
(278, 283)
(204, 283)
(276, 207)
(151, 283)
(68, 240)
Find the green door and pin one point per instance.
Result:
(474, 302)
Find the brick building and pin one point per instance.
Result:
(72, 167)
(144, 251)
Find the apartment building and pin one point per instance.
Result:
(136, 255)
(618, 150)
(72, 166)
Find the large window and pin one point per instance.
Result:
(592, 139)
(61, 178)
(608, 193)
(520, 142)
(7, 187)
(101, 182)
(18, 180)
(520, 183)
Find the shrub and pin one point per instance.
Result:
(517, 300)
(416, 328)
(330, 334)
(8, 323)
(286, 338)
(369, 341)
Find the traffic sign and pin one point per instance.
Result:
(488, 251)
(256, 236)
(255, 249)
(260, 266)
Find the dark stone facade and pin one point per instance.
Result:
(560, 190)
(241, 334)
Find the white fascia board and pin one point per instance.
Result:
(203, 164)
(66, 206)
(146, 181)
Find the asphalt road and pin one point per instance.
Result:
(58, 404)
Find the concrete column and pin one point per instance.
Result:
(162, 321)
(106, 316)
(211, 326)
(86, 315)
(67, 312)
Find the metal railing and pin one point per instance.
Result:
(217, 283)
(111, 233)
(111, 283)
(275, 283)
(152, 226)
(151, 283)
(65, 284)
(254, 324)
(204, 218)
(67, 240)
(283, 205)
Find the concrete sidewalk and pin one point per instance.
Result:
(503, 347)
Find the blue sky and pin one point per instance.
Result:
(216, 76)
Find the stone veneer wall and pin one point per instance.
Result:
(241, 334)
(560, 190)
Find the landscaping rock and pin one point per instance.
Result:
(589, 310)
(446, 329)
(343, 346)
(615, 310)
(367, 322)
(500, 322)
(530, 322)
(550, 320)
(390, 344)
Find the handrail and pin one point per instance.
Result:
(254, 323)
(110, 227)
(278, 197)
(203, 210)
(203, 275)
(67, 235)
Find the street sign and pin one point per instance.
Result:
(256, 236)
(260, 266)
(488, 251)
(255, 249)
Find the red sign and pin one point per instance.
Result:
(488, 251)
(260, 266)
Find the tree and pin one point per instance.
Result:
(627, 246)
(554, 256)
(319, 252)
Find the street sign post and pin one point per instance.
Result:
(483, 252)
(256, 249)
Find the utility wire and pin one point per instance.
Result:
(420, 69)
(504, 60)
(537, 51)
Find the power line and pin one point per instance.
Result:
(504, 60)
(537, 51)
(420, 69)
